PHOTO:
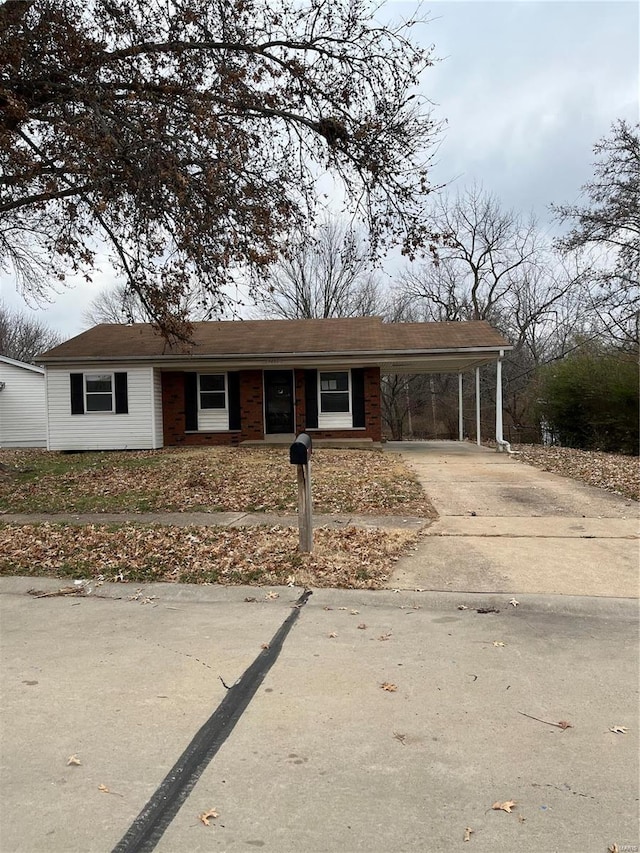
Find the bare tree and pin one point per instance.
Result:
(189, 137)
(494, 265)
(23, 338)
(606, 231)
(326, 274)
(120, 304)
(610, 219)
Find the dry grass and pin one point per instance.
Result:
(211, 480)
(349, 557)
(610, 471)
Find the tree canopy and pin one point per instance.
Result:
(607, 223)
(327, 274)
(193, 136)
(22, 337)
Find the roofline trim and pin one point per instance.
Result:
(231, 356)
(15, 363)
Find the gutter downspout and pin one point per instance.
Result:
(460, 413)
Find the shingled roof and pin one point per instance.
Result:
(276, 338)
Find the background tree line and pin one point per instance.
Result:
(569, 307)
(188, 138)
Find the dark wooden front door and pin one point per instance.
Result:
(278, 401)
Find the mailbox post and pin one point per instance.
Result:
(300, 456)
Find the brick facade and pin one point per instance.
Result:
(252, 414)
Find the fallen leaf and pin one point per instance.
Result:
(362, 626)
(618, 730)
(332, 635)
(498, 643)
(250, 598)
(613, 848)
(354, 612)
(486, 610)
(271, 595)
(467, 833)
(504, 807)
(291, 580)
(514, 603)
(385, 636)
(265, 646)
(462, 607)
(342, 608)
(327, 608)
(521, 818)
(400, 737)
(73, 759)
(204, 817)
(390, 688)
(106, 790)
(564, 724)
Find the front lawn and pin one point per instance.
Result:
(208, 479)
(349, 557)
(613, 472)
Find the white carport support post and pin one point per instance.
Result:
(478, 438)
(460, 414)
(499, 437)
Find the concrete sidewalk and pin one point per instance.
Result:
(323, 759)
(214, 519)
(506, 526)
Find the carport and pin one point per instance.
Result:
(485, 347)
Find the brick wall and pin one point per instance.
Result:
(173, 415)
(251, 405)
(300, 410)
(252, 418)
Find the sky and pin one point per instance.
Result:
(524, 87)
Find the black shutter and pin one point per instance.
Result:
(77, 393)
(233, 390)
(357, 396)
(122, 399)
(191, 402)
(311, 398)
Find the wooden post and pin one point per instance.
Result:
(305, 509)
(300, 456)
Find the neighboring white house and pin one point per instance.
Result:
(23, 415)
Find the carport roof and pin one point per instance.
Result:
(395, 347)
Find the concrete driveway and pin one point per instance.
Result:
(322, 758)
(506, 526)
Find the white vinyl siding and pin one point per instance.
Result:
(213, 402)
(22, 406)
(334, 392)
(157, 425)
(101, 430)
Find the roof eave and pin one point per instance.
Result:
(271, 356)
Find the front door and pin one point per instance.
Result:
(278, 401)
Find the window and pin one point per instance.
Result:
(213, 394)
(99, 392)
(334, 391)
(98, 389)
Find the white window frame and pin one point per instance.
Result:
(112, 393)
(321, 392)
(224, 408)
